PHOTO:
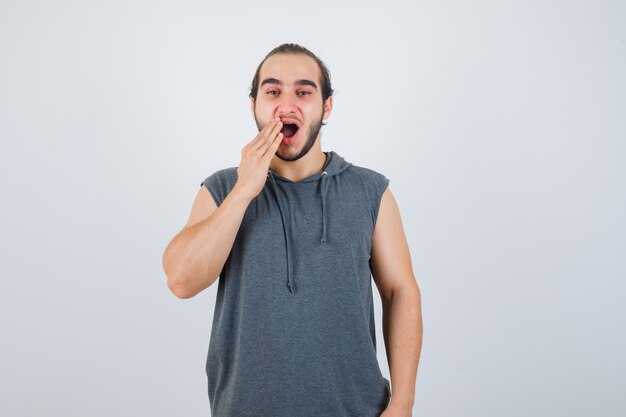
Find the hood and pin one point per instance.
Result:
(335, 164)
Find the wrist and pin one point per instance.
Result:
(400, 404)
(240, 195)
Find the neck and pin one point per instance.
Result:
(311, 163)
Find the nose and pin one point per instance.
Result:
(286, 105)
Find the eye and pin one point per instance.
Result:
(305, 92)
(272, 91)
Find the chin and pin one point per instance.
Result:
(289, 156)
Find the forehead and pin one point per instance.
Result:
(290, 67)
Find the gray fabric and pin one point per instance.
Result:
(293, 330)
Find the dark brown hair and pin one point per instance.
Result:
(292, 48)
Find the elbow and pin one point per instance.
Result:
(183, 282)
(178, 288)
(182, 285)
(175, 283)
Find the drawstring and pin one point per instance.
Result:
(290, 283)
(281, 208)
(323, 195)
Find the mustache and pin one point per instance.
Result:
(289, 116)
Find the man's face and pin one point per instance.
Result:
(290, 88)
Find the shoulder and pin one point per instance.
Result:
(373, 184)
(220, 183)
(374, 181)
(222, 177)
(224, 174)
(365, 172)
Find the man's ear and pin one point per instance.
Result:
(328, 107)
(252, 106)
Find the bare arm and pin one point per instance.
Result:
(401, 301)
(196, 255)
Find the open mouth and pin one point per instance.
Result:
(288, 130)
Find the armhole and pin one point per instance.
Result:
(210, 193)
(220, 184)
(213, 185)
(381, 186)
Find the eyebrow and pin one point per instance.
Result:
(298, 82)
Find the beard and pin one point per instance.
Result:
(314, 130)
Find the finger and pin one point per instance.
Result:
(271, 151)
(262, 134)
(270, 136)
(262, 148)
(269, 142)
(258, 136)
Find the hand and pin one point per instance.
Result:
(397, 410)
(256, 157)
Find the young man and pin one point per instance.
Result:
(296, 234)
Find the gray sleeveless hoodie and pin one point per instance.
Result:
(293, 331)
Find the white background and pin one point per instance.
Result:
(501, 125)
